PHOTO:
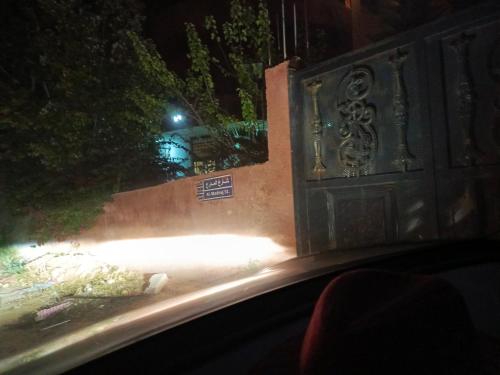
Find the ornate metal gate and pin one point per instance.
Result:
(400, 142)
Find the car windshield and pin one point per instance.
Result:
(176, 157)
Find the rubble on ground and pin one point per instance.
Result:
(156, 283)
(71, 273)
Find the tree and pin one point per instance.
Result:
(240, 49)
(80, 109)
(82, 96)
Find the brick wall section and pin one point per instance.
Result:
(262, 204)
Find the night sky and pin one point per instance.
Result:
(165, 25)
(165, 21)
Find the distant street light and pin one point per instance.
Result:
(177, 118)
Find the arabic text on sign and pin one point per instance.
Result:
(215, 188)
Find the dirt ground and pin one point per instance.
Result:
(65, 288)
(20, 330)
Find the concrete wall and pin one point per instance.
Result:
(262, 204)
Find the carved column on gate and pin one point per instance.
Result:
(494, 67)
(317, 130)
(466, 96)
(400, 109)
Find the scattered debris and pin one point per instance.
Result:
(79, 273)
(12, 295)
(156, 283)
(65, 266)
(113, 282)
(48, 312)
(55, 325)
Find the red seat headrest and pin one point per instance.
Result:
(378, 322)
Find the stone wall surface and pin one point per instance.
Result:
(262, 204)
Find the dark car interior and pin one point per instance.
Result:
(264, 334)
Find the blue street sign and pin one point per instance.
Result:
(220, 187)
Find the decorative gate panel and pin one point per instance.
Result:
(400, 141)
